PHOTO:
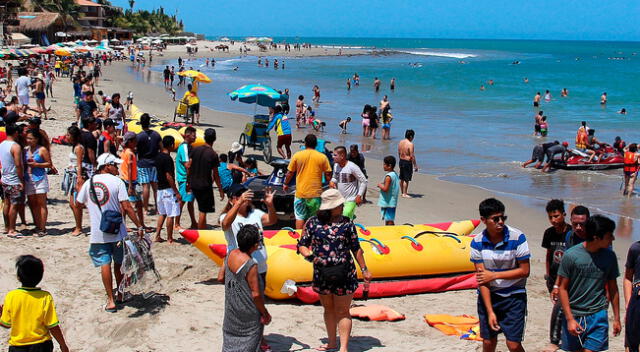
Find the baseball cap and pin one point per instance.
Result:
(128, 137)
(107, 159)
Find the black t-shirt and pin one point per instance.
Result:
(203, 161)
(87, 108)
(88, 142)
(148, 147)
(359, 160)
(556, 243)
(164, 164)
(633, 261)
(166, 73)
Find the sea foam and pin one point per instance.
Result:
(438, 53)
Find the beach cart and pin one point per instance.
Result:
(255, 136)
(182, 111)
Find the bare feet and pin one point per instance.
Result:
(326, 347)
(158, 239)
(551, 348)
(76, 232)
(406, 196)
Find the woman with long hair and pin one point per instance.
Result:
(36, 182)
(328, 240)
(74, 176)
(365, 120)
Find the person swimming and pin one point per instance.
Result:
(547, 96)
(622, 111)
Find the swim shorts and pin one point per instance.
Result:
(13, 193)
(168, 203)
(147, 175)
(536, 128)
(283, 140)
(536, 104)
(406, 170)
(104, 253)
(23, 99)
(511, 312)
(595, 336)
(304, 208)
(204, 197)
(386, 125)
(349, 209)
(186, 196)
(40, 95)
(195, 108)
(537, 154)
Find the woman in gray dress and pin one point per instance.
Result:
(244, 311)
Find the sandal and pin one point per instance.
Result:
(14, 235)
(41, 233)
(109, 310)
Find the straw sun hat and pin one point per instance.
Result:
(331, 199)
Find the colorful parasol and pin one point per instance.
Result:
(258, 94)
(197, 75)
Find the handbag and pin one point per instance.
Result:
(111, 220)
(336, 274)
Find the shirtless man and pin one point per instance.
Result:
(536, 100)
(564, 93)
(376, 84)
(603, 99)
(407, 161)
(537, 121)
(392, 85)
(384, 103)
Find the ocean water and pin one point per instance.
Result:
(464, 134)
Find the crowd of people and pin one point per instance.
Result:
(120, 176)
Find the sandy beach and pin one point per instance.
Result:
(187, 311)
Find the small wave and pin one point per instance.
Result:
(438, 53)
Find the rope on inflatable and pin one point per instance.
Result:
(363, 230)
(415, 244)
(380, 247)
(291, 232)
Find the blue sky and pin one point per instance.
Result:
(501, 19)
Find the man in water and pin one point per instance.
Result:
(392, 86)
(603, 99)
(384, 103)
(536, 100)
(376, 84)
(408, 162)
(538, 154)
(551, 152)
(537, 121)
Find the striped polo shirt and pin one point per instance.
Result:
(502, 256)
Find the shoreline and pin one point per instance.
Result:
(186, 314)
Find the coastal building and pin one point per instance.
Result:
(40, 27)
(8, 17)
(93, 19)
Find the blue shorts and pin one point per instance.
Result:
(147, 175)
(136, 187)
(304, 208)
(186, 196)
(594, 338)
(511, 313)
(104, 253)
(388, 214)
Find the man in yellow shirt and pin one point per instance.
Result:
(191, 98)
(29, 311)
(309, 165)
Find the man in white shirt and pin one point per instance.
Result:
(22, 86)
(110, 194)
(349, 180)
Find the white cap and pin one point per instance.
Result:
(106, 159)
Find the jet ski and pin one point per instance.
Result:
(607, 158)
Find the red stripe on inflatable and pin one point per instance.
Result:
(401, 288)
(290, 246)
(444, 226)
(475, 222)
(219, 249)
(269, 233)
(190, 235)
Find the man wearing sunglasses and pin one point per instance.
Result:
(501, 258)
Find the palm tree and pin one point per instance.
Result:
(131, 3)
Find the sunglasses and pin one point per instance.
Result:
(497, 218)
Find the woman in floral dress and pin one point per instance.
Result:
(327, 241)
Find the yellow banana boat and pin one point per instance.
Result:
(163, 128)
(391, 252)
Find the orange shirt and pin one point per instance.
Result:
(129, 157)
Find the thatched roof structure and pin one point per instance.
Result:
(37, 21)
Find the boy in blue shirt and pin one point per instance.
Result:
(501, 258)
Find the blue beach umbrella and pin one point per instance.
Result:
(258, 94)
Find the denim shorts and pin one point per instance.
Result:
(104, 253)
